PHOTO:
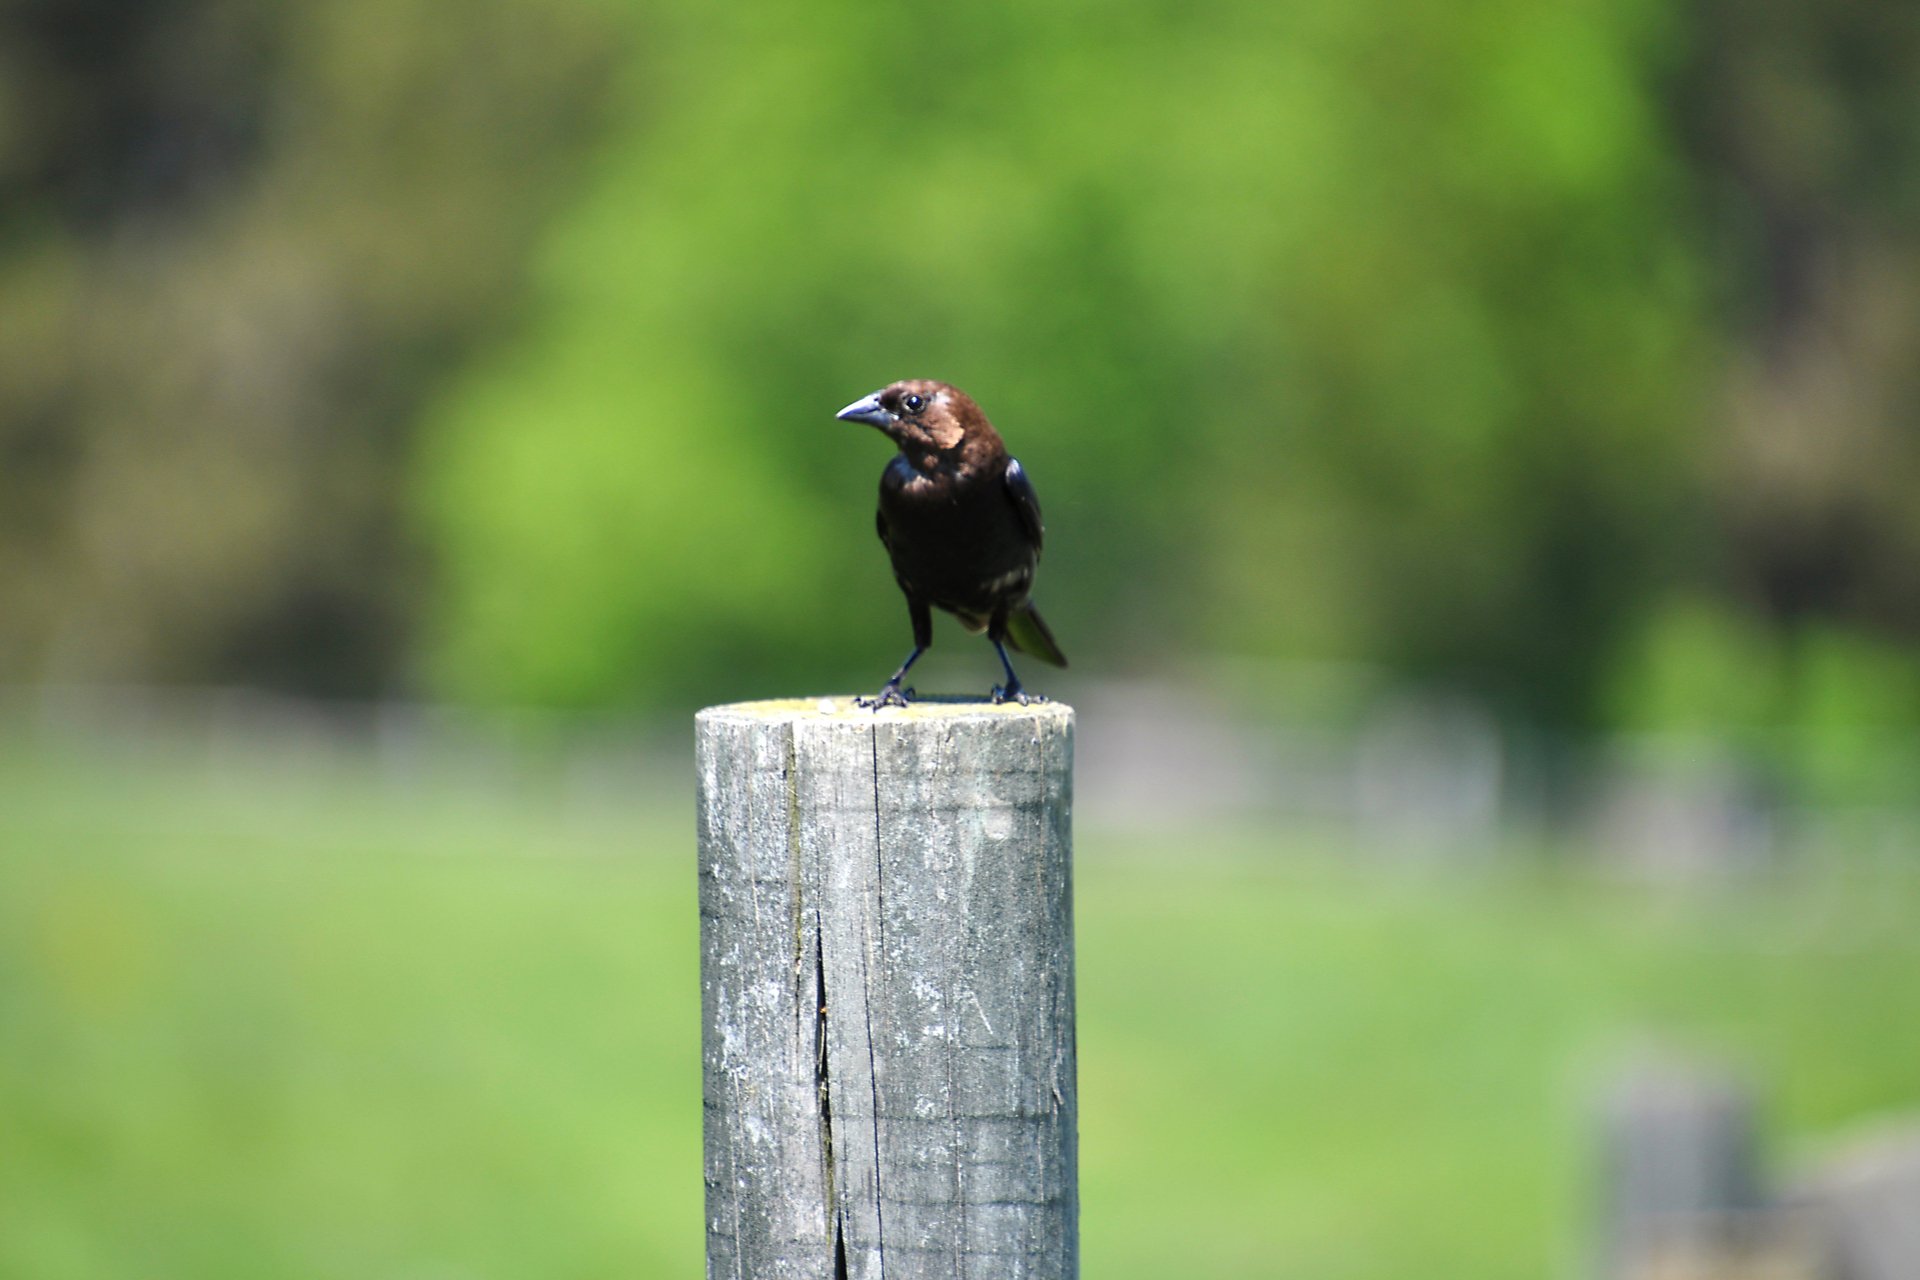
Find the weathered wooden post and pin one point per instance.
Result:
(886, 934)
(1687, 1197)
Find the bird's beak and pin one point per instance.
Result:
(867, 409)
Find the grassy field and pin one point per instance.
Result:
(262, 1018)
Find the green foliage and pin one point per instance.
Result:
(1357, 330)
(1699, 668)
(239, 244)
(1856, 700)
(1828, 710)
(489, 350)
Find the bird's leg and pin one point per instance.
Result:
(891, 694)
(1011, 690)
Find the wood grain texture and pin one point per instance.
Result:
(886, 916)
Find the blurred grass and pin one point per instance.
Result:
(315, 1026)
(300, 1021)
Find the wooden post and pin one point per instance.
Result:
(886, 973)
(1686, 1195)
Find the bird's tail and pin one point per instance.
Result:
(1027, 633)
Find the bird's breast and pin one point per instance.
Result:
(955, 538)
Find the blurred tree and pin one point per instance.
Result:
(1367, 330)
(1804, 125)
(1798, 638)
(1464, 339)
(239, 241)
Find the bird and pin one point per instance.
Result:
(961, 524)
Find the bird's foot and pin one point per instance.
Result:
(1013, 692)
(890, 695)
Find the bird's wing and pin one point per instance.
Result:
(1026, 503)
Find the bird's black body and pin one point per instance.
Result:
(957, 541)
(960, 522)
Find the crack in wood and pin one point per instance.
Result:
(824, 1086)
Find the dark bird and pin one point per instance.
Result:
(960, 520)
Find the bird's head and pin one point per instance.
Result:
(923, 416)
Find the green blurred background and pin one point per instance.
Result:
(409, 412)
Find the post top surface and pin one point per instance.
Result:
(843, 708)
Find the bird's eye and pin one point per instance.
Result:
(914, 402)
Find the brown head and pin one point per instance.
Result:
(925, 417)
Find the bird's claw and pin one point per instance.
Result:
(890, 695)
(1014, 693)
